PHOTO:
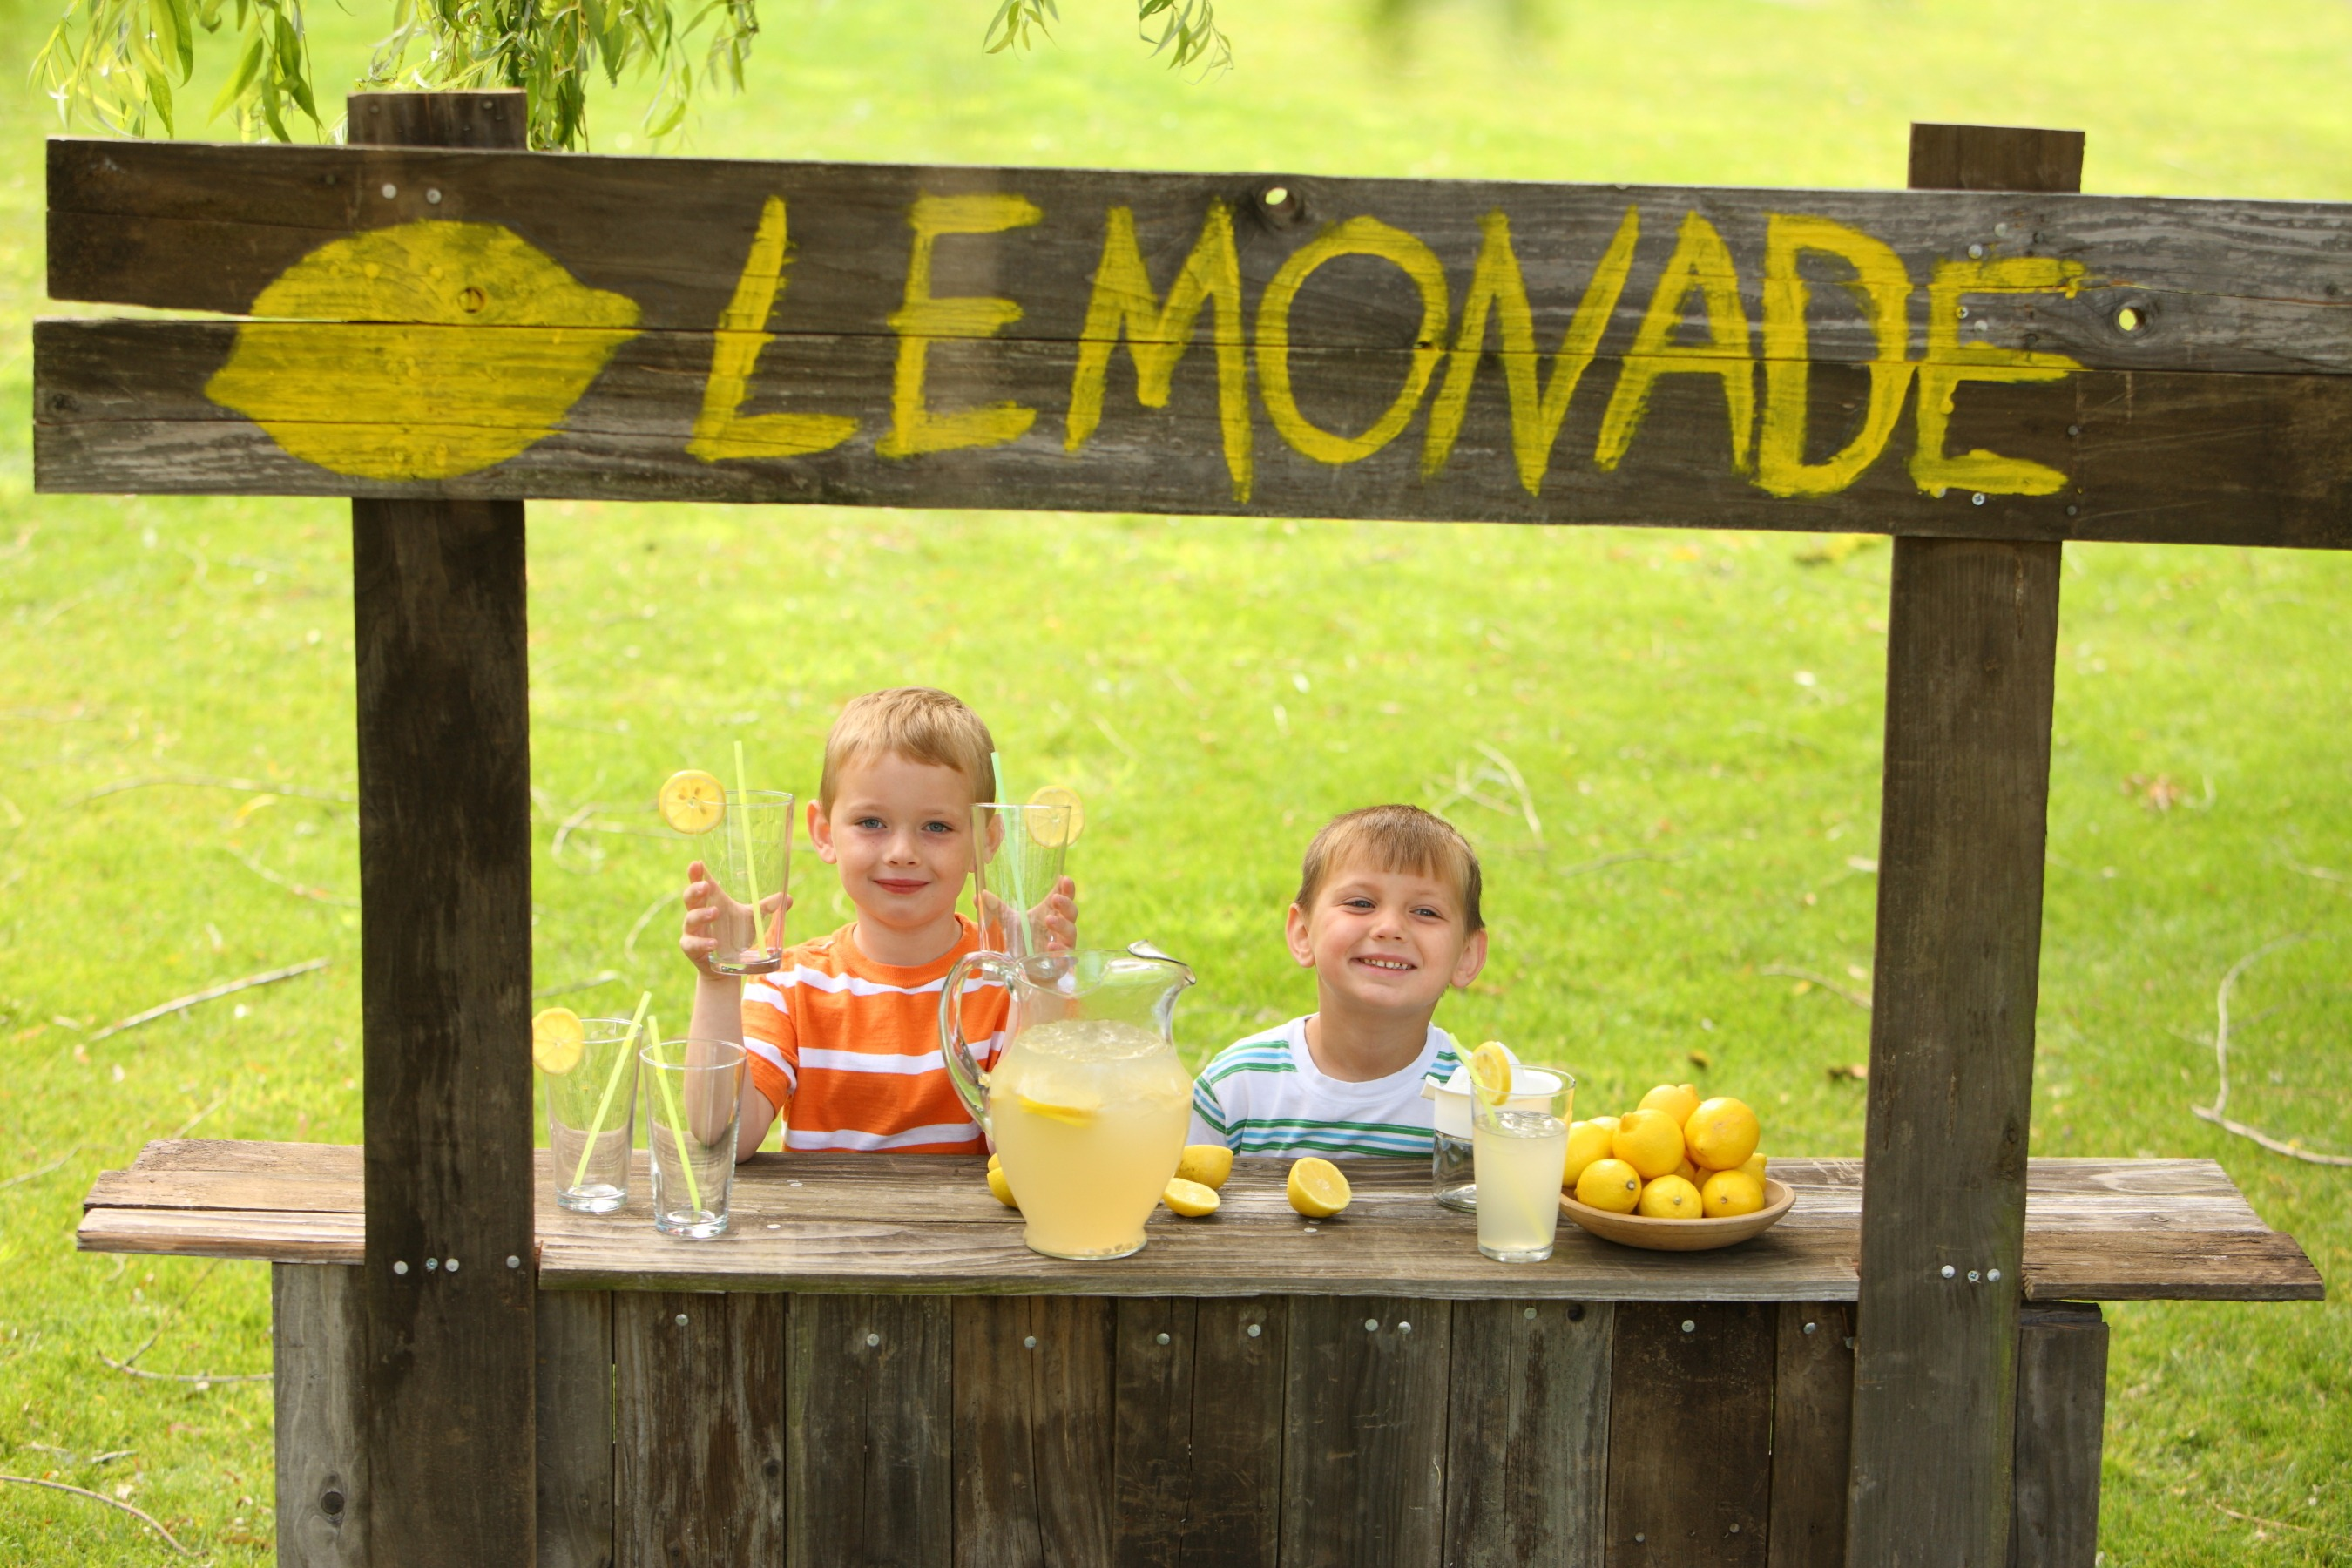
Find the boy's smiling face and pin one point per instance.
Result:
(900, 831)
(1387, 941)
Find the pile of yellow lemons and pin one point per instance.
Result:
(1676, 1157)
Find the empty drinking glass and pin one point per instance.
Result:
(591, 1117)
(693, 1100)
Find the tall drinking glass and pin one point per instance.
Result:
(591, 1117)
(1018, 858)
(694, 1096)
(753, 865)
(1520, 1149)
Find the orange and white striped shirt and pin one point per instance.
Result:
(847, 1050)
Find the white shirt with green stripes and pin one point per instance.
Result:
(1264, 1095)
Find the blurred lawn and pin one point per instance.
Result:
(1696, 715)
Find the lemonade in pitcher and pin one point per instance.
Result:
(1088, 1104)
(1090, 1115)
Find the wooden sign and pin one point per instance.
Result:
(436, 323)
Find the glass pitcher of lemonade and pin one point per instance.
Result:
(1087, 1104)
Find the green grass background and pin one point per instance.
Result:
(1216, 688)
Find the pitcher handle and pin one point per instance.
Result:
(971, 1083)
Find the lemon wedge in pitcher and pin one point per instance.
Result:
(1068, 1115)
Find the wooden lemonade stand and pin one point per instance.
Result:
(869, 1367)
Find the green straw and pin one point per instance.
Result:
(751, 866)
(612, 1084)
(996, 766)
(677, 1133)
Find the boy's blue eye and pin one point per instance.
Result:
(868, 821)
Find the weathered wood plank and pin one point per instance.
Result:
(1971, 645)
(1812, 1421)
(2189, 1266)
(338, 1238)
(251, 1156)
(700, 1409)
(2221, 284)
(1240, 1378)
(869, 1416)
(1528, 1434)
(997, 1475)
(444, 754)
(2161, 456)
(1363, 1456)
(1075, 1431)
(574, 1396)
(1678, 1371)
(2061, 1400)
(316, 1339)
(1153, 1454)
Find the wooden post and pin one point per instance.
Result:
(445, 894)
(1972, 641)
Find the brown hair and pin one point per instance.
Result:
(921, 723)
(1395, 838)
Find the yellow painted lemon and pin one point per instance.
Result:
(1052, 833)
(692, 801)
(1207, 1163)
(1649, 1142)
(1587, 1142)
(1729, 1193)
(557, 1040)
(1316, 1189)
(1676, 1099)
(1610, 1184)
(1191, 1199)
(1722, 1133)
(1490, 1072)
(1000, 1187)
(1069, 1115)
(420, 351)
(1670, 1197)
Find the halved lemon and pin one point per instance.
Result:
(692, 801)
(1490, 1072)
(1056, 836)
(1069, 1115)
(1316, 1189)
(1207, 1163)
(1191, 1199)
(557, 1040)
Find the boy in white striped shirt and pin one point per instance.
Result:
(1387, 916)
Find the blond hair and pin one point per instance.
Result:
(1394, 838)
(919, 724)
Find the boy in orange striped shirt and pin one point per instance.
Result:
(842, 1039)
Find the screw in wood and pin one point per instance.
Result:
(1976, 253)
(1972, 1276)
(431, 1264)
(400, 1268)
(1977, 500)
(1371, 1325)
(2070, 511)
(2074, 429)
(1639, 1538)
(1404, 1328)
(1689, 1327)
(391, 191)
(1735, 1530)
(451, 1264)
(512, 1261)
(1253, 1331)
(1811, 1327)
(1529, 1313)
(873, 1340)
(1949, 1271)
(681, 1320)
(1993, 1275)
(1028, 1342)
(1163, 1337)
(433, 196)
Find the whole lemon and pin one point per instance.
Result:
(1670, 1197)
(1650, 1142)
(1755, 1166)
(1611, 1184)
(1587, 1142)
(1729, 1193)
(1000, 1187)
(1207, 1163)
(1608, 1122)
(1676, 1099)
(1722, 1133)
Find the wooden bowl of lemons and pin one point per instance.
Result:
(1682, 1235)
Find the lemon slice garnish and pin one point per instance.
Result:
(1044, 833)
(692, 801)
(557, 1040)
(1191, 1199)
(1069, 1115)
(1490, 1072)
(1316, 1189)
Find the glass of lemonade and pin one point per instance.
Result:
(1520, 1149)
(694, 1094)
(591, 1117)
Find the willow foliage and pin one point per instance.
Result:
(121, 61)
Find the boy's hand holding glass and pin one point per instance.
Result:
(711, 913)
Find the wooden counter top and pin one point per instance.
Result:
(2095, 1231)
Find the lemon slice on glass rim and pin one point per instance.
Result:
(1073, 825)
(692, 801)
(1490, 1072)
(557, 1038)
